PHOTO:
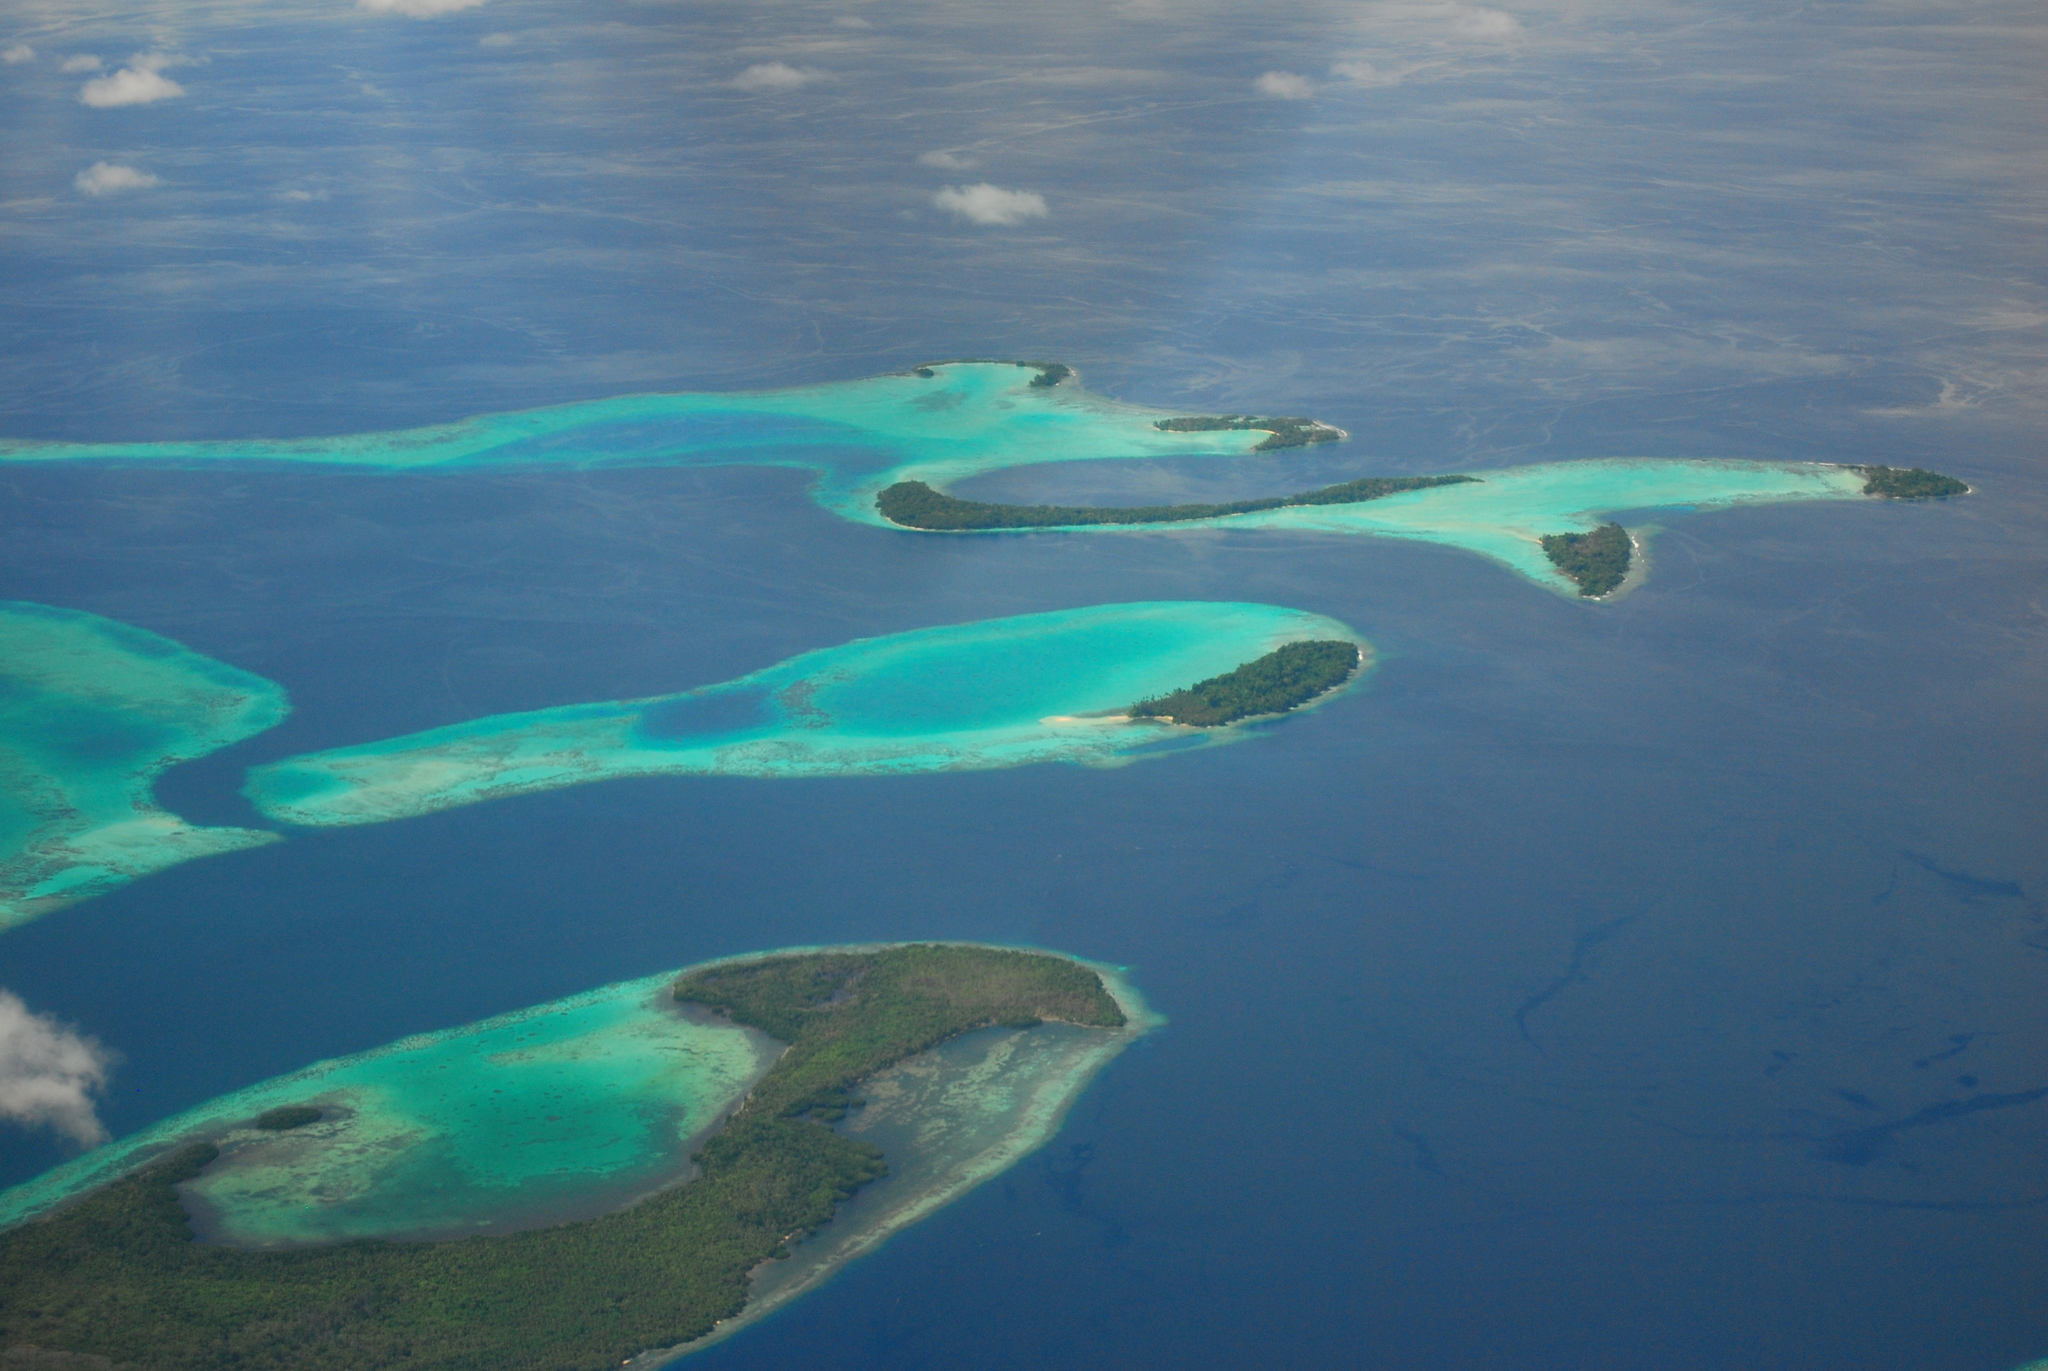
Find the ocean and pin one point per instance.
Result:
(1626, 985)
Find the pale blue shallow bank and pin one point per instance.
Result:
(568, 1110)
(1049, 687)
(946, 423)
(1506, 513)
(539, 1114)
(92, 711)
(859, 436)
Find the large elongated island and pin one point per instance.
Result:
(102, 1260)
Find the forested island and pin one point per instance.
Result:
(1281, 430)
(1290, 676)
(1910, 483)
(1049, 374)
(914, 504)
(1598, 561)
(118, 1274)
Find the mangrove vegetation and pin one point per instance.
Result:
(1598, 561)
(1279, 681)
(1910, 483)
(914, 504)
(118, 1274)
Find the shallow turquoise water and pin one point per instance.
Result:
(558, 1111)
(576, 1108)
(968, 418)
(859, 436)
(994, 693)
(91, 711)
(1505, 514)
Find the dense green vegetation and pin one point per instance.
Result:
(1910, 483)
(287, 1117)
(916, 505)
(1281, 430)
(118, 1274)
(1598, 561)
(1278, 681)
(1049, 373)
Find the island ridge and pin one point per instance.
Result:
(117, 1274)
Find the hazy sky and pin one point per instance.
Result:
(1485, 231)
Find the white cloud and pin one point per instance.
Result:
(300, 197)
(851, 21)
(1285, 85)
(102, 177)
(20, 52)
(987, 204)
(141, 82)
(1365, 74)
(773, 76)
(947, 161)
(49, 1074)
(496, 40)
(1483, 23)
(417, 9)
(85, 61)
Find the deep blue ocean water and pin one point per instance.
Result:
(1574, 995)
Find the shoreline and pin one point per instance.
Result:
(831, 1249)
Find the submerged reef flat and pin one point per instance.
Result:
(564, 1110)
(995, 693)
(939, 423)
(91, 711)
(971, 1056)
(933, 426)
(1506, 514)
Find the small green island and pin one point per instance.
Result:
(1909, 483)
(118, 1274)
(1598, 561)
(1281, 680)
(1281, 430)
(913, 504)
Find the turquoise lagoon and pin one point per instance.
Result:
(580, 1107)
(994, 693)
(969, 418)
(859, 436)
(559, 1111)
(90, 712)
